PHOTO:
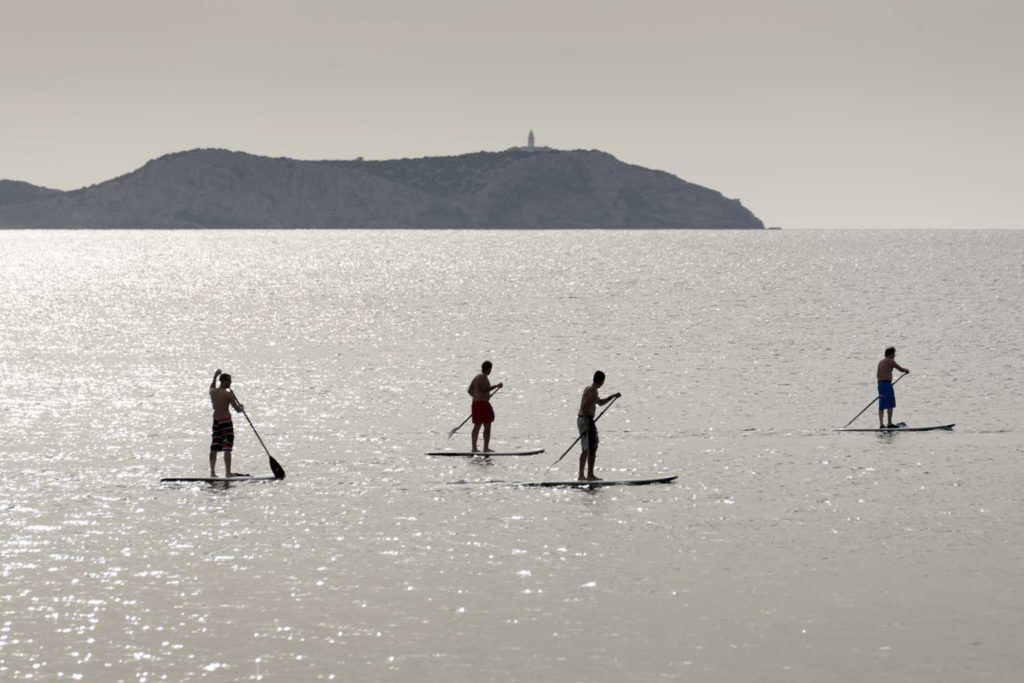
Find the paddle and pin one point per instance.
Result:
(872, 402)
(452, 433)
(579, 437)
(275, 467)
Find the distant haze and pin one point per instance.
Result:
(816, 114)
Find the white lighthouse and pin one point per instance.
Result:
(531, 145)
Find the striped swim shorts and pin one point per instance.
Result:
(223, 436)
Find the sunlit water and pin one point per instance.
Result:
(784, 552)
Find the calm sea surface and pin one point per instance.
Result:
(784, 551)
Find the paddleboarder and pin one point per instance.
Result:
(588, 427)
(482, 411)
(886, 393)
(223, 430)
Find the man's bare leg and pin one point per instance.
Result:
(590, 465)
(227, 465)
(889, 413)
(213, 463)
(476, 434)
(881, 419)
(487, 438)
(584, 456)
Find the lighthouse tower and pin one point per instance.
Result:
(531, 145)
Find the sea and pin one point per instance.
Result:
(784, 551)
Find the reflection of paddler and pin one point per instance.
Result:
(482, 411)
(886, 393)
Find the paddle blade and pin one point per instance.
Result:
(452, 433)
(276, 468)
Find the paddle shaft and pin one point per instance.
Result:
(872, 403)
(275, 467)
(579, 437)
(452, 433)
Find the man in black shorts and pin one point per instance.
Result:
(588, 428)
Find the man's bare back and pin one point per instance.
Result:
(588, 403)
(885, 368)
(223, 400)
(480, 388)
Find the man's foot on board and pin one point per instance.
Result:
(892, 426)
(489, 450)
(593, 478)
(236, 474)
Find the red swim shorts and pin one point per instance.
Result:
(483, 413)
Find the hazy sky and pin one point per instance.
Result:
(816, 113)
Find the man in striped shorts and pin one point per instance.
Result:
(223, 429)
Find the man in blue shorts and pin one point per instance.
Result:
(886, 394)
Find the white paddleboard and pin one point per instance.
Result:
(479, 454)
(897, 429)
(575, 484)
(214, 480)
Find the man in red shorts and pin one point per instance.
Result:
(483, 413)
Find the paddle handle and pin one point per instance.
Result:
(872, 402)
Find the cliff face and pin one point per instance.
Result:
(512, 189)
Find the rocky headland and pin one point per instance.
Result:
(517, 188)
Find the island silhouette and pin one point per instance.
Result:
(521, 187)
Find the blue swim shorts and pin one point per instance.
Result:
(886, 396)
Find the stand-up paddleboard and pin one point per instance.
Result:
(575, 484)
(897, 429)
(214, 480)
(480, 454)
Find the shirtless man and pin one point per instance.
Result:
(223, 431)
(886, 394)
(483, 413)
(588, 428)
